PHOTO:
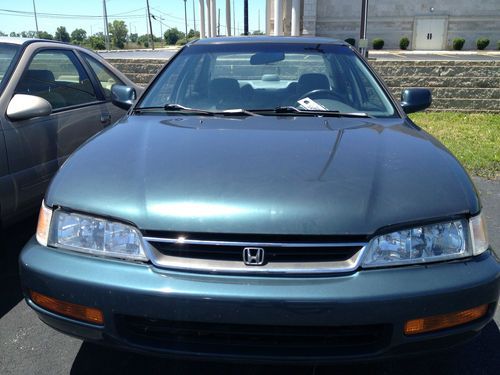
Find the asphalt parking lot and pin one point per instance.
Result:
(27, 346)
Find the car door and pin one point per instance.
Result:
(106, 79)
(37, 147)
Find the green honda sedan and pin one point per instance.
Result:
(266, 199)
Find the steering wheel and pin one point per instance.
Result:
(321, 93)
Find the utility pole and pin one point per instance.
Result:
(259, 20)
(363, 42)
(228, 17)
(36, 20)
(186, 20)
(234, 20)
(218, 22)
(106, 29)
(159, 19)
(150, 27)
(245, 18)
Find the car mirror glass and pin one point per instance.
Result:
(24, 107)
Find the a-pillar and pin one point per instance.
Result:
(295, 18)
(202, 19)
(278, 17)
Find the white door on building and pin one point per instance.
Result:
(430, 33)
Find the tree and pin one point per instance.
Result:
(96, 41)
(173, 35)
(28, 34)
(61, 34)
(13, 34)
(118, 31)
(45, 35)
(134, 37)
(78, 36)
(2, 34)
(193, 34)
(144, 40)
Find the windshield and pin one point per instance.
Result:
(7, 53)
(269, 75)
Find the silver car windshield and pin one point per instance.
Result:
(269, 75)
(7, 53)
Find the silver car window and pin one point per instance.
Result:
(58, 77)
(7, 53)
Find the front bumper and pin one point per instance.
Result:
(342, 317)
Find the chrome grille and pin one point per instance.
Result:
(203, 255)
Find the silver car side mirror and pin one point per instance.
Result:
(23, 107)
(123, 96)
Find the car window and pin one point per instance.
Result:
(259, 76)
(58, 77)
(104, 75)
(7, 53)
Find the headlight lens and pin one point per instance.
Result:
(423, 244)
(95, 236)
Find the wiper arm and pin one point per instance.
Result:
(236, 112)
(328, 113)
(173, 107)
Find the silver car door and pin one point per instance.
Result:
(37, 147)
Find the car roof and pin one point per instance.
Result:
(22, 41)
(268, 39)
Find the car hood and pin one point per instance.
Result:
(264, 174)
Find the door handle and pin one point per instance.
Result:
(106, 119)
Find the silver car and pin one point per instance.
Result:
(53, 97)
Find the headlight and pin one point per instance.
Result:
(429, 243)
(89, 235)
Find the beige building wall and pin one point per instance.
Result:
(393, 19)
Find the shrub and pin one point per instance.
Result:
(482, 43)
(458, 43)
(404, 43)
(180, 42)
(498, 45)
(351, 41)
(378, 43)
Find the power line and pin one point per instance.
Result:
(68, 16)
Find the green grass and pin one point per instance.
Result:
(474, 138)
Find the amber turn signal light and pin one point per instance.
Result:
(438, 322)
(71, 310)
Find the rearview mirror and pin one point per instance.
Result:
(123, 96)
(415, 99)
(24, 107)
(262, 58)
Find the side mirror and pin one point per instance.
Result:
(415, 99)
(24, 107)
(123, 96)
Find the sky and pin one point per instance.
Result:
(88, 14)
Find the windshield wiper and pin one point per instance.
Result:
(173, 107)
(292, 109)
